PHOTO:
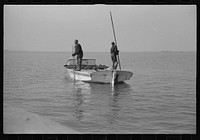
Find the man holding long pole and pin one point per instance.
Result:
(114, 52)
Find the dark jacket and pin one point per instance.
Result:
(78, 50)
(113, 50)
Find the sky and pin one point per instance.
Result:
(137, 27)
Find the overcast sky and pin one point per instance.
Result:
(138, 28)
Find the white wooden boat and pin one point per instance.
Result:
(91, 72)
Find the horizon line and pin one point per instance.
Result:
(95, 51)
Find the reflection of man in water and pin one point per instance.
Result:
(114, 107)
(79, 101)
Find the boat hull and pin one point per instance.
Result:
(103, 76)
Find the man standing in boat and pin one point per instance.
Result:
(79, 53)
(114, 52)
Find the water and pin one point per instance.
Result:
(159, 98)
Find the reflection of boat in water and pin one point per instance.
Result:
(89, 98)
(86, 88)
(95, 73)
(105, 88)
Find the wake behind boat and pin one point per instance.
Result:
(90, 72)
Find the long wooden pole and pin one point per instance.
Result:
(115, 38)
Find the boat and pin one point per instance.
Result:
(90, 72)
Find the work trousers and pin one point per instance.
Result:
(79, 62)
(114, 61)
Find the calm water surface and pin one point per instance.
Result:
(159, 98)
